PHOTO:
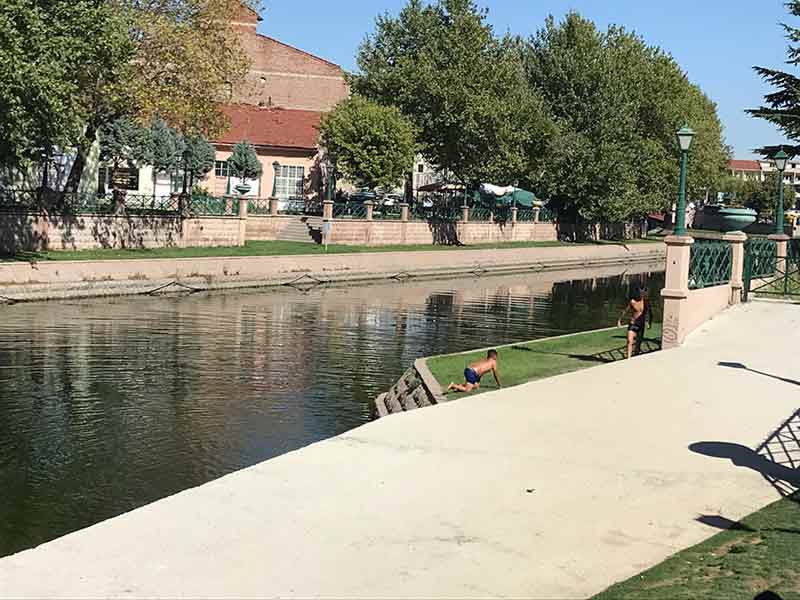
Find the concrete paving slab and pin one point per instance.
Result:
(555, 489)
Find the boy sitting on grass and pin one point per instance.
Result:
(474, 372)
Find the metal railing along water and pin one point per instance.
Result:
(711, 264)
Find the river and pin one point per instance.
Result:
(107, 405)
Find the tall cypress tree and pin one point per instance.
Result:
(782, 107)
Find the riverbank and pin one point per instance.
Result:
(55, 279)
(556, 488)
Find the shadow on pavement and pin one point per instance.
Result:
(735, 365)
(777, 459)
(725, 524)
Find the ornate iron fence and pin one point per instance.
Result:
(547, 215)
(762, 254)
(711, 264)
(388, 213)
(525, 215)
(349, 210)
(258, 206)
(480, 214)
(203, 204)
(418, 212)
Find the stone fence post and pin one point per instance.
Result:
(737, 240)
(465, 214)
(676, 290)
(327, 210)
(370, 208)
(514, 210)
(404, 212)
(536, 211)
(273, 206)
(243, 206)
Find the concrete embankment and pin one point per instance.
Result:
(45, 280)
(554, 489)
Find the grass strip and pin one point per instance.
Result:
(529, 361)
(759, 554)
(272, 248)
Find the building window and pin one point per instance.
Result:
(420, 168)
(290, 181)
(221, 168)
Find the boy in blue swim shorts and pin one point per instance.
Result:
(475, 371)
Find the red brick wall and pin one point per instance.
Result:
(284, 76)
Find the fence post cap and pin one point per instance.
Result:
(779, 237)
(678, 240)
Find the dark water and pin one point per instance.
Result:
(108, 405)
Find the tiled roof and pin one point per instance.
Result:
(744, 165)
(277, 127)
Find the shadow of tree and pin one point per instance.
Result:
(25, 234)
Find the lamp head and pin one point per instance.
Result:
(685, 137)
(781, 158)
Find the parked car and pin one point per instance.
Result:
(392, 200)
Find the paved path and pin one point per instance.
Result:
(555, 489)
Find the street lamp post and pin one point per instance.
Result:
(781, 158)
(685, 137)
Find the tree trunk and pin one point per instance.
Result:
(79, 165)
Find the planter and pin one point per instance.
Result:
(720, 218)
(243, 188)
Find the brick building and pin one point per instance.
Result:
(278, 109)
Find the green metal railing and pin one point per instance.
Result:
(711, 264)
(258, 206)
(479, 214)
(387, 213)
(525, 215)
(349, 210)
(546, 215)
(762, 256)
(203, 204)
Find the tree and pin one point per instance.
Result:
(52, 54)
(244, 163)
(198, 159)
(617, 103)
(162, 148)
(462, 87)
(187, 59)
(121, 142)
(782, 107)
(369, 144)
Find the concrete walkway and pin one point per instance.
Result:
(555, 489)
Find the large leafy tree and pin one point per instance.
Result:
(782, 106)
(617, 103)
(370, 144)
(53, 54)
(462, 87)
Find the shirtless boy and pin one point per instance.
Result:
(474, 372)
(640, 311)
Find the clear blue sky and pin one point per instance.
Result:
(715, 41)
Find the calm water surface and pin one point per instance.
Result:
(107, 405)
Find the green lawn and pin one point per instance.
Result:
(521, 363)
(277, 248)
(761, 553)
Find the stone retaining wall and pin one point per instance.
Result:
(383, 233)
(34, 232)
